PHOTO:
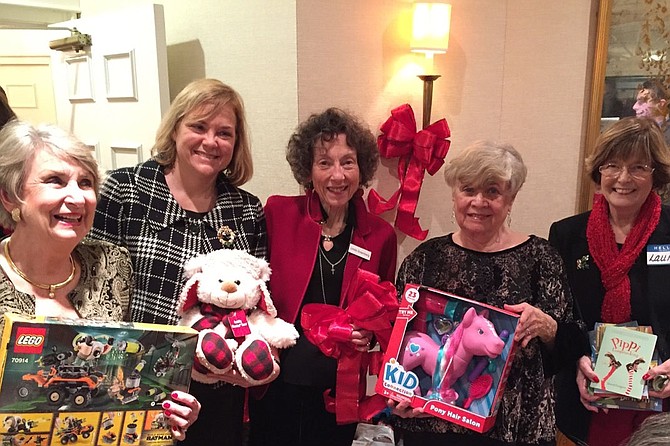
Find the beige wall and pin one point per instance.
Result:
(516, 71)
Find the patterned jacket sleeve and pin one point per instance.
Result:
(259, 245)
(555, 299)
(109, 222)
(123, 285)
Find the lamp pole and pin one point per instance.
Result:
(427, 96)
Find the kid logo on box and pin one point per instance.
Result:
(30, 340)
(398, 379)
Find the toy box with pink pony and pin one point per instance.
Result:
(450, 356)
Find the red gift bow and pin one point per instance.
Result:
(418, 152)
(372, 306)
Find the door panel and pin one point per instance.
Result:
(113, 95)
(28, 83)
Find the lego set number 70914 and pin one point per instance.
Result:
(90, 383)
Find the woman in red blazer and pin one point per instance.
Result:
(317, 241)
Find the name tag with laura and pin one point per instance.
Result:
(658, 255)
(360, 252)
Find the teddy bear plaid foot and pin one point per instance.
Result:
(256, 360)
(215, 351)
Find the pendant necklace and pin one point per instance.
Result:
(332, 272)
(332, 265)
(51, 288)
(322, 254)
(327, 242)
(328, 239)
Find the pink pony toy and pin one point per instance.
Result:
(475, 336)
(418, 350)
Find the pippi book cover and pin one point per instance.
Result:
(624, 357)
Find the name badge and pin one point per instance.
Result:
(658, 255)
(360, 252)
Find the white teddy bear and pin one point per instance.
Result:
(227, 301)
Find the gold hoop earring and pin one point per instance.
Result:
(16, 215)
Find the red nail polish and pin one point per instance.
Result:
(174, 395)
(167, 413)
(166, 404)
(646, 377)
(596, 380)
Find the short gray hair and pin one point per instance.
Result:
(486, 162)
(20, 141)
(654, 431)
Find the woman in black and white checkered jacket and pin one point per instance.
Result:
(183, 202)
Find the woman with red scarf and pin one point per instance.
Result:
(605, 254)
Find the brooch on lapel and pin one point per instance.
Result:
(226, 236)
(583, 262)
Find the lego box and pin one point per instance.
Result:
(450, 356)
(81, 382)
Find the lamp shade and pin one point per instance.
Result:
(430, 28)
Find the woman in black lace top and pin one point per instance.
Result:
(486, 261)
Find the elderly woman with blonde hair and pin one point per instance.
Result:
(487, 261)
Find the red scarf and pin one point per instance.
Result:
(614, 264)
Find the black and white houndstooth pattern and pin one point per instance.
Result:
(137, 210)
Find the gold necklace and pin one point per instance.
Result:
(51, 288)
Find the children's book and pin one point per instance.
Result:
(623, 358)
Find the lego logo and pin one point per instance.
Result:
(30, 340)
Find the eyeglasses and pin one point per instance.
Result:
(639, 171)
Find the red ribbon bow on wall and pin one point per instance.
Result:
(418, 152)
(372, 306)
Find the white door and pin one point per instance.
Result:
(113, 95)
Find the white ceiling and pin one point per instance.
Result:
(26, 14)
